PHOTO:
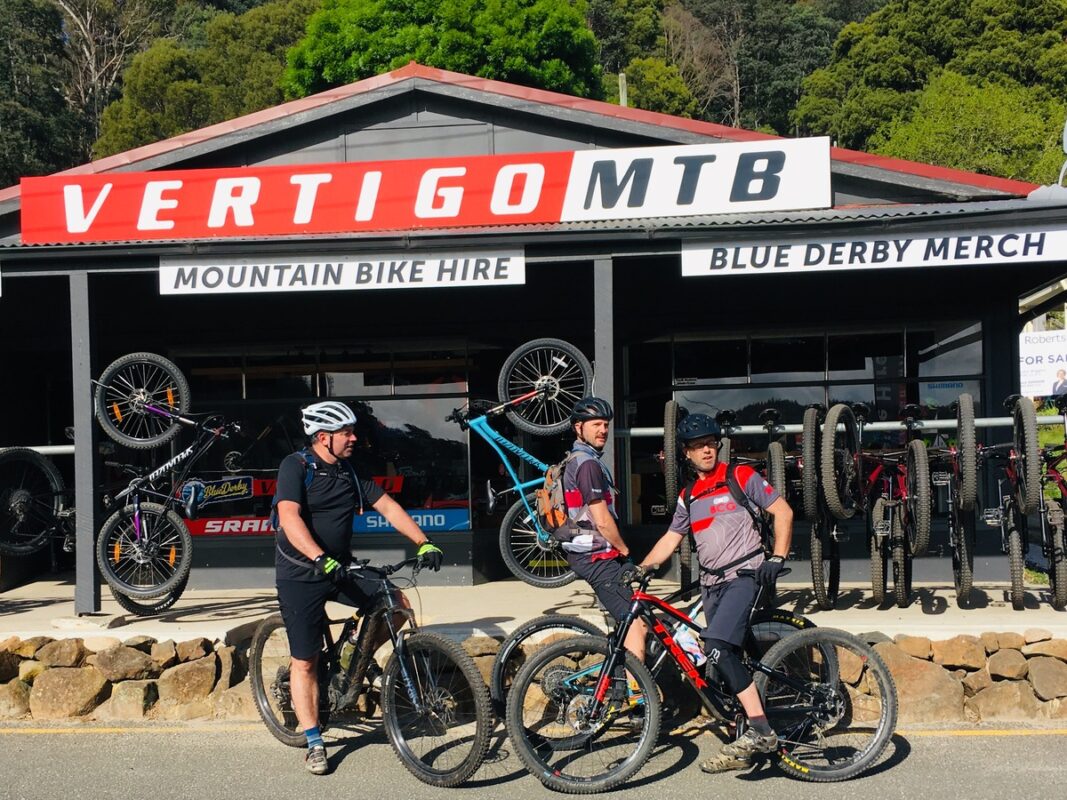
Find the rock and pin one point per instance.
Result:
(1011, 641)
(1032, 635)
(165, 654)
(226, 674)
(236, 703)
(201, 708)
(188, 682)
(129, 700)
(121, 663)
(1057, 648)
(865, 708)
(960, 651)
(915, 646)
(873, 637)
(485, 667)
(1048, 676)
(481, 646)
(14, 699)
(9, 666)
(1006, 700)
(1007, 664)
(62, 653)
(193, 649)
(29, 647)
(976, 682)
(850, 666)
(94, 644)
(28, 670)
(142, 643)
(1055, 709)
(926, 692)
(67, 692)
(989, 642)
(10, 644)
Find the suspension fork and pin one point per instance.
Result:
(616, 639)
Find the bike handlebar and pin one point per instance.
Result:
(363, 565)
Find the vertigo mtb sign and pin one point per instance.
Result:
(587, 185)
(324, 272)
(872, 252)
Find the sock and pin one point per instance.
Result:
(315, 737)
(760, 725)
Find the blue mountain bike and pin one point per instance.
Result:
(538, 386)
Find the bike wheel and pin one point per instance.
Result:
(146, 566)
(1057, 562)
(962, 553)
(776, 467)
(901, 552)
(523, 642)
(769, 626)
(834, 717)
(31, 497)
(531, 560)
(671, 474)
(554, 736)
(268, 674)
(839, 463)
(553, 366)
(436, 710)
(825, 564)
(966, 465)
(1027, 458)
(138, 397)
(917, 469)
(809, 466)
(877, 547)
(156, 606)
(1016, 554)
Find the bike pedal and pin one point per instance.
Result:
(940, 478)
(882, 528)
(993, 517)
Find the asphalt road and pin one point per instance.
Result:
(233, 761)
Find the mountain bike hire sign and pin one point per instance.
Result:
(586, 185)
(1004, 246)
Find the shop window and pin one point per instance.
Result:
(430, 373)
(213, 379)
(953, 349)
(356, 374)
(276, 376)
(877, 356)
(724, 361)
(800, 358)
(748, 401)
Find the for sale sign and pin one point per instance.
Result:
(1043, 363)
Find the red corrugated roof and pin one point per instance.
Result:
(413, 70)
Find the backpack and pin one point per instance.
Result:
(310, 464)
(763, 525)
(551, 506)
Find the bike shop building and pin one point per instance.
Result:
(389, 242)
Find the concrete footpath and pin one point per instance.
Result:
(46, 608)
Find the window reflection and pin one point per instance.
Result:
(953, 349)
(721, 361)
(788, 359)
(866, 356)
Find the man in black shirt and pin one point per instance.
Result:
(317, 495)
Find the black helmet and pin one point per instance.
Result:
(697, 426)
(591, 408)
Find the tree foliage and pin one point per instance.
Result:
(173, 87)
(542, 43)
(653, 85)
(881, 66)
(37, 127)
(997, 129)
(624, 30)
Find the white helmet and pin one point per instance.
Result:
(327, 416)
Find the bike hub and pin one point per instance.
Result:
(548, 386)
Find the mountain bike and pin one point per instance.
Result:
(579, 727)
(766, 627)
(538, 386)
(33, 508)
(435, 707)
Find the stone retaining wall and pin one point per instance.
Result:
(992, 677)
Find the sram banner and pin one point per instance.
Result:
(407, 270)
(429, 519)
(872, 252)
(587, 185)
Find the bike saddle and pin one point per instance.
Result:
(769, 417)
(911, 411)
(861, 411)
(1010, 401)
(726, 418)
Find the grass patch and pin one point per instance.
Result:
(1035, 577)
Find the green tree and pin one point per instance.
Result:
(881, 66)
(37, 127)
(996, 129)
(624, 29)
(653, 85)
(542, 43)
(174, 87)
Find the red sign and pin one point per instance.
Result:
(292, 200)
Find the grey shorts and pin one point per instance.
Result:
(727, 608)
(603, 576)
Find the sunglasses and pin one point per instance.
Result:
(700, 444)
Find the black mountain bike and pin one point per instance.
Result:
(579, 727)
(435, 706)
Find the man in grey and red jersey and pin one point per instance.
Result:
(597, 554)
(727, 541)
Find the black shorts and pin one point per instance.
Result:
(603, 576)
(727, 607)
(303, 607)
